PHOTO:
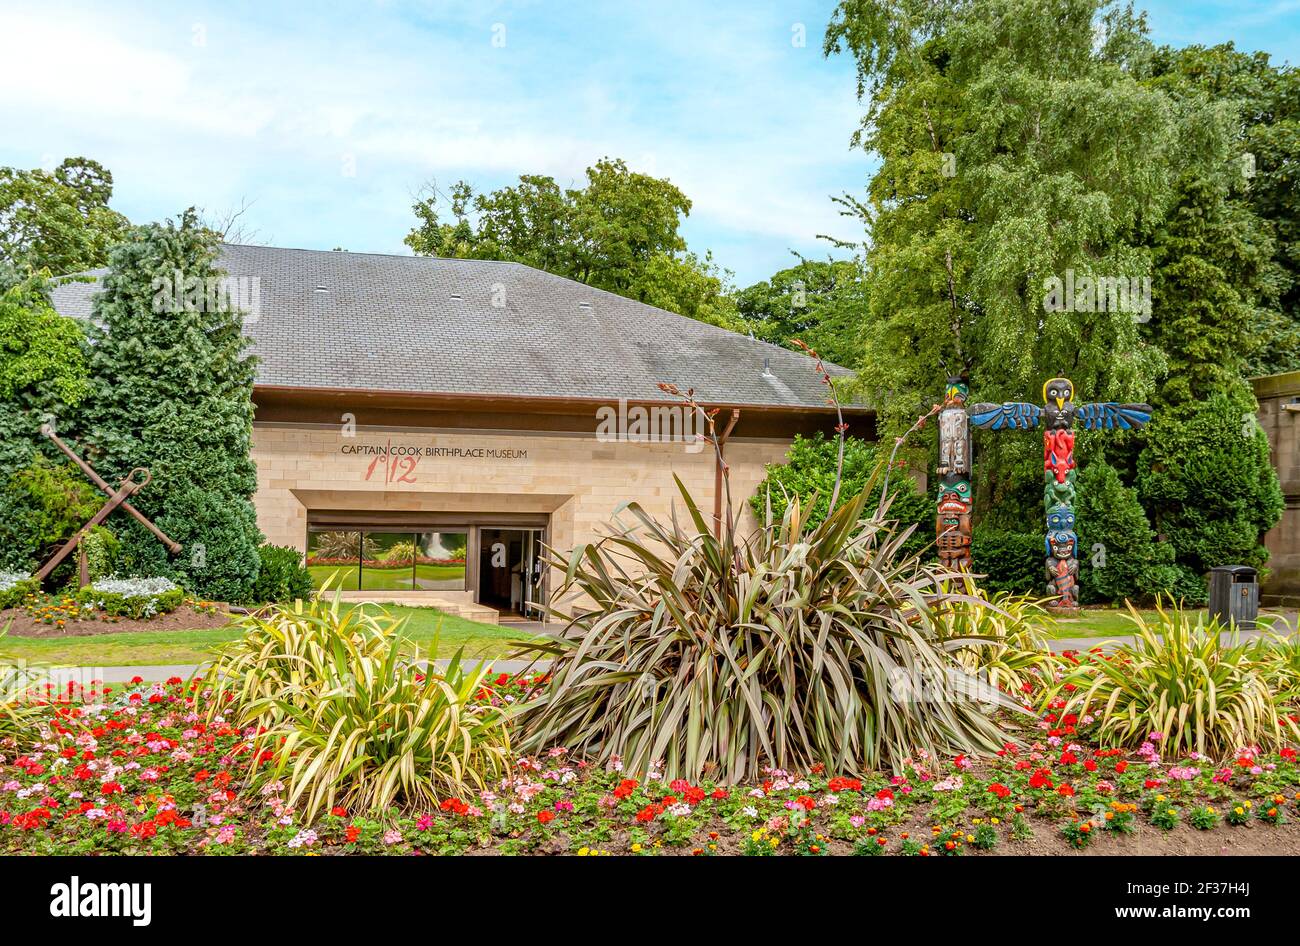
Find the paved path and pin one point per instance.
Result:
(151, 672)
(1285, 625)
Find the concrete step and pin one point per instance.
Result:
(423, 599)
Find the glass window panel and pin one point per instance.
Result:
(334, 556)
(440, 561)
(388, 563)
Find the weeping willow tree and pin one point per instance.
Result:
(1021, 152)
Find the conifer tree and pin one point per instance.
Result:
(172, 391)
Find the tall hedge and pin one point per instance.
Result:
(1207, 484)
(172, 391)
(1119, 557)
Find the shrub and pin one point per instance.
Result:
(280, 646)
(1012, 562)
(809, 474)
(282, 577)
(132, 597)
(1180, 679)
(1131, 564)
(101, 547)
(42, 505)
(14, 587)
(791, 648)
(1208, 486)
(219, 560)
(401, 553)
(345, 718)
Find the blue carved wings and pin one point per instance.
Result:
(1012, 416)
(1108, 416)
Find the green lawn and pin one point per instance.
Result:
(397, 578)
(191, 647)
(1113, 623)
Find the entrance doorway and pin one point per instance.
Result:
(510, 572)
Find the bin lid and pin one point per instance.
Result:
(1235, 569)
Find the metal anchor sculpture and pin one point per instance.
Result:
(117, 500)
(1058, 415)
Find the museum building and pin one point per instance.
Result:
(424, 426)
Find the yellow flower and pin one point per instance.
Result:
(995, 821)
(636, 849)
(1246, 803)
(582, 852)
(970, 838)
(1160, 798)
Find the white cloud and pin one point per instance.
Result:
(755, 132)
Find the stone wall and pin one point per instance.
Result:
(1275, 394)
(577, 480)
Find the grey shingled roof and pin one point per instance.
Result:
(428, 325)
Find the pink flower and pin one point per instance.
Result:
(392, 836)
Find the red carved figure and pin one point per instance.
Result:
(1058, 453)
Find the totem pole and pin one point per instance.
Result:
(1058, 415)
(952, 520)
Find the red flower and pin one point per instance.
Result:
(1121, 766)
(339, 812)
(545, 817)
(353, 833)
(1066, 791)
(998, 789)
(1042, 778)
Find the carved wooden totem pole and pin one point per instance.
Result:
(1058, 415)
(952, 519)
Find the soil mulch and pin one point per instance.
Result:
(184, 618)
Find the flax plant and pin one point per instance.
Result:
(18, 711)
(1002, 639)
(720, 655)
(340, 711)
(1186, 680)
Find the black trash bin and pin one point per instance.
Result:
(1234, 595)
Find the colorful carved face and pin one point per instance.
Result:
(956, 391)
(1062, 545)
(954, 497)
(1056, 493)
(1060, 518)
(1058, 391)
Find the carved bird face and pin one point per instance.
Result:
(1058, 391)
(956, 391)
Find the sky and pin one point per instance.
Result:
(325, 120)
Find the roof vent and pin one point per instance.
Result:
(767, 368)
(456, 295)
(320, 289)
(584, 305)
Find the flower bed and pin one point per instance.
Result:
(132, 597)
(137, 770)
(14, 587)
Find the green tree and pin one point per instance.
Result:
(1227, 297)
(1119, 557)
(58, 220)
(809, 473)
(172, 392)
(42, 369)
(618, 233)
(822, 303)
(1206, 482)
(1019, 145)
